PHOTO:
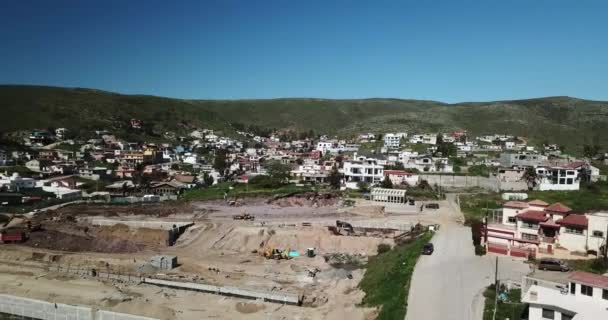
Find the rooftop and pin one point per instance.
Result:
(516, 205)
(538, 203)
(533, 215)
(558, 208)
(575, 220)
(591, 279)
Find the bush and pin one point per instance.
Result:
(480, 250)
(383, 247)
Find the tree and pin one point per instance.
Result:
(590, 151)
(363, 186)
(386, 183)
(219, 162)
(530, 177)
(334, 178)
(278, 171)
(207, 180)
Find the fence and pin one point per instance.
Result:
(44, 310)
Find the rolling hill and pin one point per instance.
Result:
(563, 120)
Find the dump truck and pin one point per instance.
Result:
(12, 236)
(244, 216)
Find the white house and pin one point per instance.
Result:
(425, 163)
(392, 141)
(398, 177)
(557, 178)
(362, 170)
(572, 296)
(426, 138)
(15, 182)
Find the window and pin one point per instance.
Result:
(530, 225)
(598, 234)
(605, 294)
(567, 316)
(512, 219)
(569, 181)
(548, 314)
(562, 181)
(573, 288)
(587, 290)
(574, 230)
(527, 236)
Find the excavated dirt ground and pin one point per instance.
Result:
(216, 250)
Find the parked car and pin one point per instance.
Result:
(553, 265)
(412, 202)
(428, 249)
(432, 206)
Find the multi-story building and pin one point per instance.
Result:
(565, 296)
(426, 138)
(535, 227)
(522, 159)
(557, 178)
(392, 141)
(362, 170)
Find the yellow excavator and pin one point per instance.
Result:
(274, 253)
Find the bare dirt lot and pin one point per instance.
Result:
(215, 250)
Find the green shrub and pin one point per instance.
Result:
(480, 250)
(383, 247)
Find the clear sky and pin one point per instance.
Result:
(226, 49)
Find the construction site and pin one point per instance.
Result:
(297, 257)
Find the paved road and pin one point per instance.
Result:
(448, 284)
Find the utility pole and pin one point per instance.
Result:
(495, 290)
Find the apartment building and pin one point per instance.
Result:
(557, 178)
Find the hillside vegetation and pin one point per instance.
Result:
(563, 120)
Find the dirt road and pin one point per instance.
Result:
(449, 283)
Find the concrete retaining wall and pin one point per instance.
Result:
(453, 181)
(162, 225)
(286, 298)
(44, 310)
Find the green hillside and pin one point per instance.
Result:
(563, 120)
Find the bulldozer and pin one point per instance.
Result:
(243, 216)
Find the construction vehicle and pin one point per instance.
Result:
(343, 226)
(274, 253)
(12, 236)
(243, 216)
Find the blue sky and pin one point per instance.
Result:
(441, 50)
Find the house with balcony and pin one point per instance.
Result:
(392, 141)
(362, 169)
(535, 227)
(565, 296)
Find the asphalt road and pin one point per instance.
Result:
(448, 284)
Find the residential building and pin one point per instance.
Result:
(401, 177)
(16, 183)
(427, 163)
(565, 296)
(362, 170)
(557, 178)
(312, 171)
(392, 141)
(168, 188)
(523, 159)
(535, 227)
(427, 138)
(511, 179)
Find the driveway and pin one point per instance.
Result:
(449, 284)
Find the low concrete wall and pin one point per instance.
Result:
(286, 298)
(44, 310)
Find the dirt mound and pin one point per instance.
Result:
(153, 209)
(307, 199)
(146, 236)
(245, 307)
(55, 240)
